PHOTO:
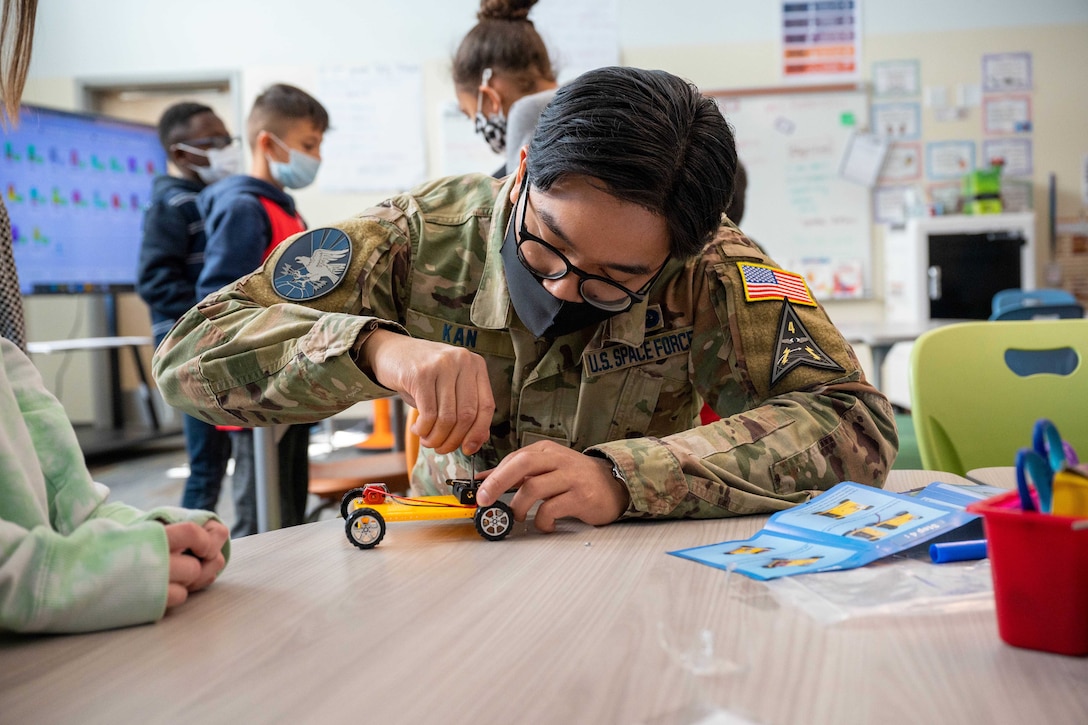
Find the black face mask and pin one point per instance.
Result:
(544, 314)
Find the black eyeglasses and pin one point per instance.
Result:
(546, 262)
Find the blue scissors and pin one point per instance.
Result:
(1037, 465)
(1047, 443)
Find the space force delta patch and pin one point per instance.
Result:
(654, 347)
(313, 265)
(796, 347)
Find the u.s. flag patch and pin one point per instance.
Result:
(767, 283)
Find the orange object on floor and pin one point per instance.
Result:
(382, 438)
(331, 479)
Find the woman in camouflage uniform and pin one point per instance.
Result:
(563, 325)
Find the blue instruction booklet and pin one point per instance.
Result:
(845, 527)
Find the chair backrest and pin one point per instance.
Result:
(978, 387)
(1041, 304)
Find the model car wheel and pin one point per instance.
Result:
(494, 522)
(345, 502)
(365, 528)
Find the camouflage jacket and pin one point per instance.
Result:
(428, 263)
(69, 561)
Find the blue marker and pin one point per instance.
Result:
(957, 551)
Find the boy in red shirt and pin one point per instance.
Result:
(244, 218)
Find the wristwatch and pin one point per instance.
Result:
(618, 474)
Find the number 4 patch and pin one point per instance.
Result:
(796, 347)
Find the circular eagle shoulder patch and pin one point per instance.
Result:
(313, 265)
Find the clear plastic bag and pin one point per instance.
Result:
(904, 584)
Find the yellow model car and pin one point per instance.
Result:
(366, 511)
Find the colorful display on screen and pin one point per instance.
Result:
(76, 186)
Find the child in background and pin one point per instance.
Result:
(244, 218)
(171, 257)
(503, 77)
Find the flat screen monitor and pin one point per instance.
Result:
(76, 186)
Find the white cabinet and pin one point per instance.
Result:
(950, 266)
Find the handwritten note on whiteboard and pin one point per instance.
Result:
(376, 142)
(798, 207)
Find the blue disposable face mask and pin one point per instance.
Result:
(299, 170)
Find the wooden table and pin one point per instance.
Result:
(1003, 476)
(437, 625)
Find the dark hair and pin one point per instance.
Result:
(506, 41)
(175, 121)
(735, 209)
(651, 138)
(281, 104)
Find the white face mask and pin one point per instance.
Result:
(222, 162)
(299, 171)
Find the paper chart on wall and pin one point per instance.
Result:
(903, 162)
(1007, 114)
(897, 121)
(579, 35)
(863, 158)
(890, 204)
(1006, 72)
(376, 142)
(1015, 152)
(949, 159)
(896, 78)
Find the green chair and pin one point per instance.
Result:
(978, 387)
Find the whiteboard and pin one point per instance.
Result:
(798, 208)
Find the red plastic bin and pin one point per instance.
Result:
(1040, 570)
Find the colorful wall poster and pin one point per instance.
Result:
(821, 41)
(833, 279)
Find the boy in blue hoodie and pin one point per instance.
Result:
(245, 217)
(171, 257)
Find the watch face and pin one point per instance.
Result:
(618, 474)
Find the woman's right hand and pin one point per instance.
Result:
(448, 385)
